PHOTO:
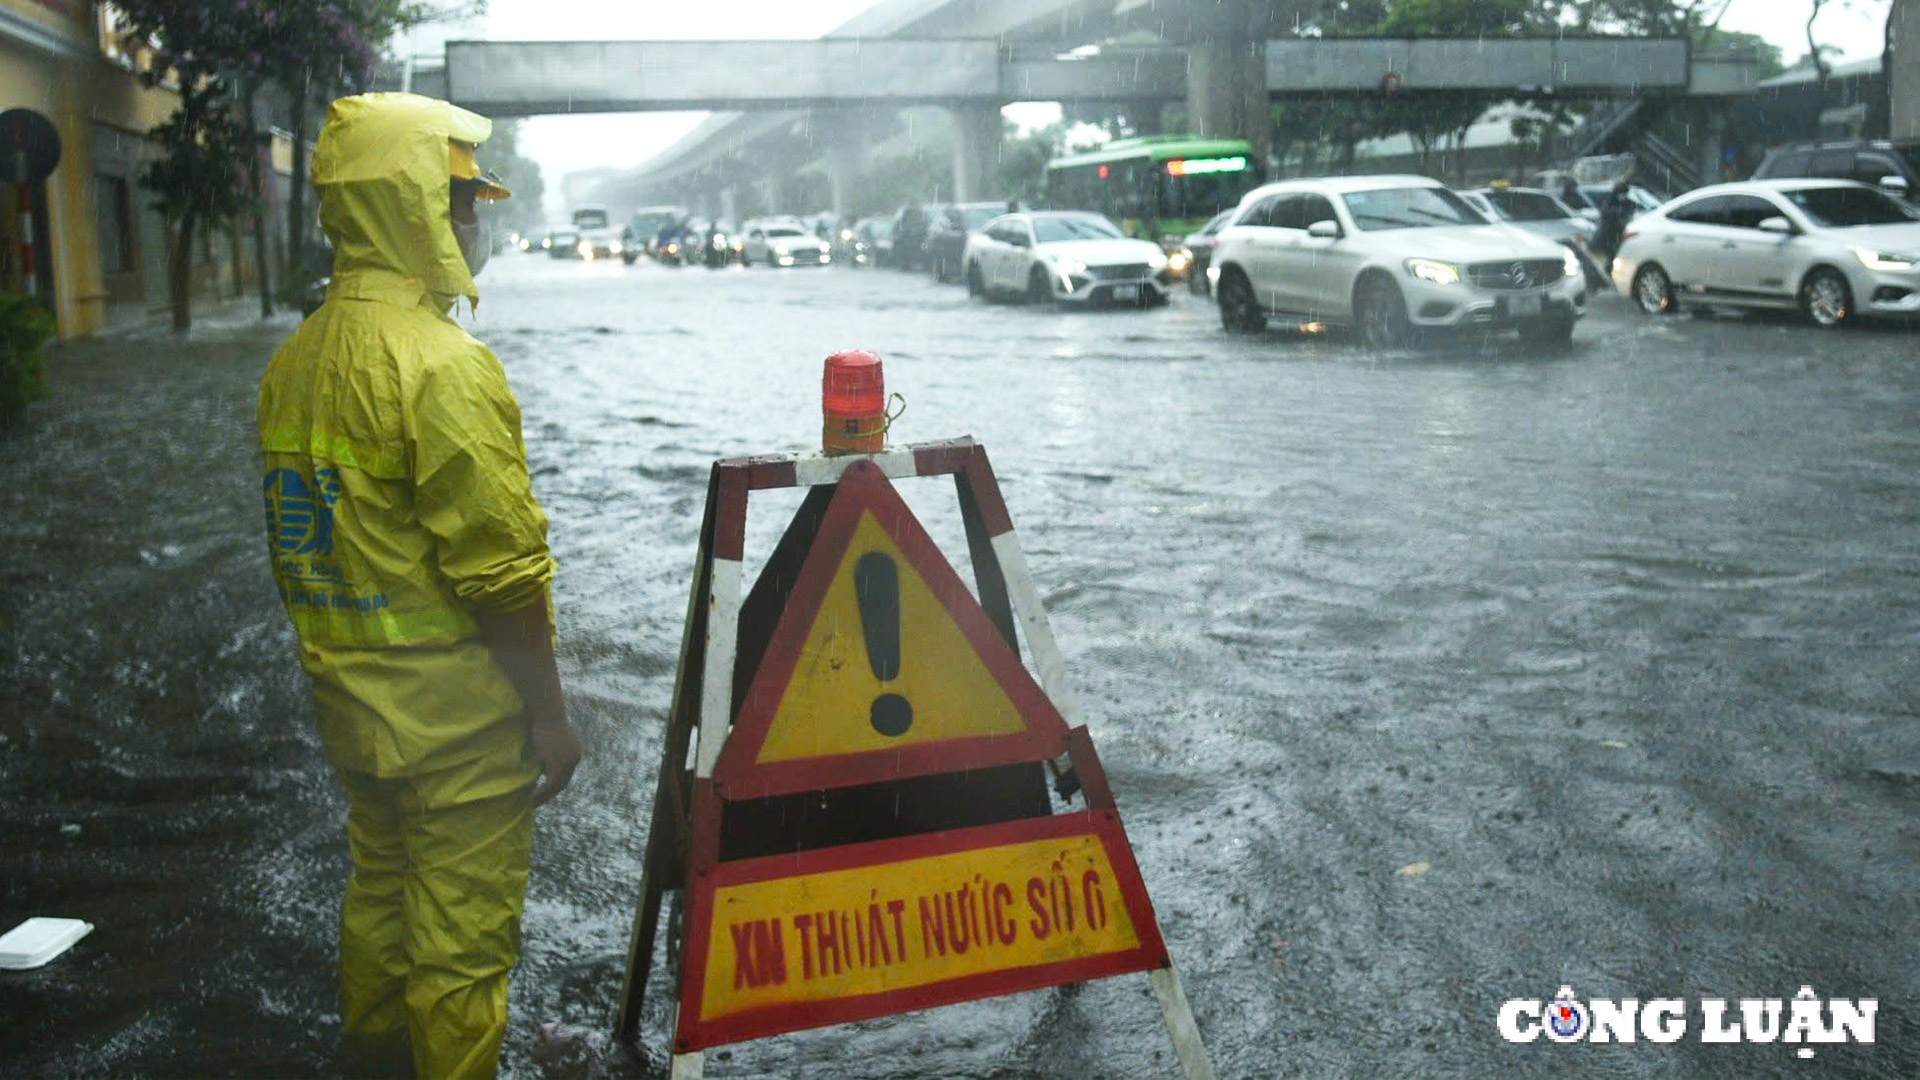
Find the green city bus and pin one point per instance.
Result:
(1157, 186)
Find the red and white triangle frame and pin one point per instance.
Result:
(863, 489)
(699, 727)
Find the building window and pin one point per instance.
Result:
(113, 218)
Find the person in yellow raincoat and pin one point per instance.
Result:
(412, 558)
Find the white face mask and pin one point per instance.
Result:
(476, 243)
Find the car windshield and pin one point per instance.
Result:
(1048, 230)
(1844, 207)
(1408, 208)
(980, 215)
(782, 230)
(1527, 206)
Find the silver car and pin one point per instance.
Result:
(1834, 249)
(1542, 214)
(1390, 255)
(1065, 256)
(783, 242)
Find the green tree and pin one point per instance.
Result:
(1428, 119)
(1023, 161)
(217, 53)
(501, 156)
(317, 50)
(197, 180)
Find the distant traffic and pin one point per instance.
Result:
(1397, 259)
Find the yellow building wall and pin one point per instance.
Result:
(75, 93)
(42, 83)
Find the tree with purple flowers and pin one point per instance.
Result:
(218, 54)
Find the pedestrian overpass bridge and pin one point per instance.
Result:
(523, 78)
(1227, 59)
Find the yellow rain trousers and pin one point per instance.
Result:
(398, 506)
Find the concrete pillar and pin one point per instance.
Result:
(729, 205)
(1146, 117)
(839, 135)
(1227, 79)
(976, 151)
(770, 187)
(1903, 70)
(1710, 139)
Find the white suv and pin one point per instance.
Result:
(1390, 255)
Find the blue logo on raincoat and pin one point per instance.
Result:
(300, 511)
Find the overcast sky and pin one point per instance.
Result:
(562, 144)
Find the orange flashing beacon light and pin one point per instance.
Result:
(853, 403)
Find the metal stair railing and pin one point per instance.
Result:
(1592, 135)
(1682, 174)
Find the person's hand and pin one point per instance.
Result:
(557, 750)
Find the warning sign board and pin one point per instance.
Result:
(865, 825)
(865, 930)
(883, 665)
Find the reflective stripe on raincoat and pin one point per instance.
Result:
(396, 488)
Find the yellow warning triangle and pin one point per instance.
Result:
(881, 666)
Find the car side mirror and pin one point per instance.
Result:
(1895, 186)
(1777, 224)
(1324, 229)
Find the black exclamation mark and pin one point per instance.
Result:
(876, 587)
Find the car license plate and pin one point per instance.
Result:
(1126, 292)
(1520, 305)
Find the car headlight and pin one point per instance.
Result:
(1440, 273)
(1880, 260)
(1180, 260)
(1571, 261)
(719, 239)
(613, 246)
(546, 242)
(1157, 261)
(1069, 267)
(846, 235)
(584, 247)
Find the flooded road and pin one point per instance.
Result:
(1424, 681)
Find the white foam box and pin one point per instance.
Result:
(38, 940)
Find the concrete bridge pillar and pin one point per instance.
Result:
(976, 151)
(1146, 117)
(1712, 121)
(1903, 69)
(1227, 78)
(839, 135)
(730, 205)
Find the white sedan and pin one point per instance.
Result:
(1057, 255)
(783, 245)
(1832, 248)
(1391, 256)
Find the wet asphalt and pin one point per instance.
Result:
(1423, 680)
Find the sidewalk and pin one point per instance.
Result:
(208, 315)
(158, 773)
